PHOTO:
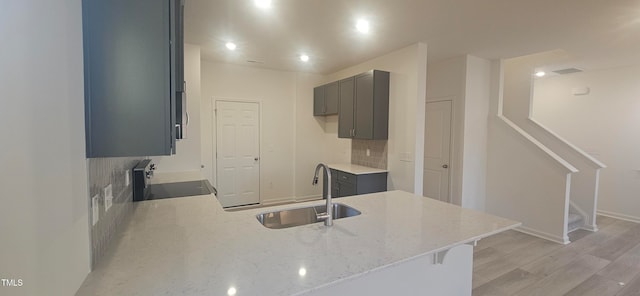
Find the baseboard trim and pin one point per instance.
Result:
(592, 228)
(309, 198)
(279, 201)
(619, 216)
(543, 235)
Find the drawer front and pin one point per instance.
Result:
(346, 177)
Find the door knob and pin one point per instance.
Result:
(445, 166)
(256, 159)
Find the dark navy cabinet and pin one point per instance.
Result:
(364, 106)
(133, 68)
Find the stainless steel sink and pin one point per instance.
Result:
(303, 216)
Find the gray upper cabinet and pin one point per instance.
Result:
(345, 116)
(130, 76)
(365, 114)
(318, 101)
(325, 99)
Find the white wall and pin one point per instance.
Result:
(187, 159)
(293, 141)
(406, 66)
(476, 114)
(465, 81)
(276, 92)
(43, 172)
(447, 81)
(310, 138)
(604, 123)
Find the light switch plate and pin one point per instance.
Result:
(368, 152)
(126, 178)
(95, 209)
(108, 197)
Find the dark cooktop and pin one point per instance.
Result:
(179, 189)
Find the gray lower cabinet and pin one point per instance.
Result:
(347, 184)
(130, 65)
(364, 106)
(325, 99)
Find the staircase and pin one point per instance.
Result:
(575, 222)
(557, 182)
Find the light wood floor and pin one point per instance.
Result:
(600, 263)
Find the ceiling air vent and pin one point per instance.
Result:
(567, 71)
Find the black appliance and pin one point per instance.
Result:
(141, 173)
(142, 190)
(180, 189)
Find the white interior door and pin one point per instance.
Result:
(437, 150)
(238, 153)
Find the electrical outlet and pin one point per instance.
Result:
(108, 197)
(95, 209)
(126, 178)
(368, 152)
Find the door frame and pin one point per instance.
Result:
(214, 138)
(451, 99)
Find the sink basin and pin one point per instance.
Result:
(303, 216)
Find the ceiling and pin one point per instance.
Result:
(596, 33)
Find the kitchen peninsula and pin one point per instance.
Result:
(191, 246)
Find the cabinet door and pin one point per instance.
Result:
(318, 101)
(346, 189)
(128, 62)
(181, 97)
(179, 44)
(380, 105)
(331, 98)
(370, 183)
(364, 106)
(345, 112)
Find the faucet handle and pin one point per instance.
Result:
(322, 216)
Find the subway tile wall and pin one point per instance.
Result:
(377, 153)
(102, 172)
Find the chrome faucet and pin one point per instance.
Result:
(328, 215)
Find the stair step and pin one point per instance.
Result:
(575, 222)
(573, 218)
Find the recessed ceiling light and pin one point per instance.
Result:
(540, 73)
(304, 57)
(232, 291)
(362, 26)
(230, 46)
(263, 3)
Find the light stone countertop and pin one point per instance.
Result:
(355, 169)
(191, 246)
